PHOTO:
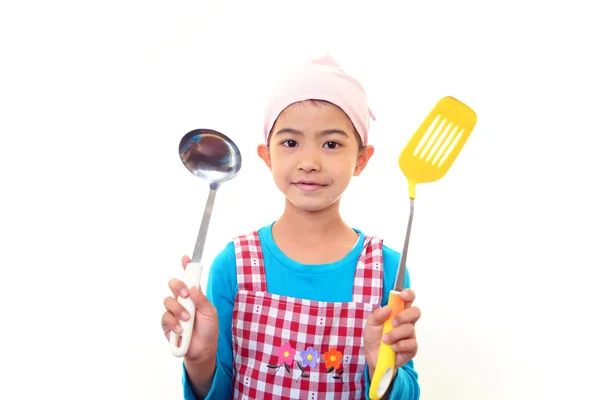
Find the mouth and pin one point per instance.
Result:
(308, 186)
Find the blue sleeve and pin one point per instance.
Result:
(221, 290)
(405, 385)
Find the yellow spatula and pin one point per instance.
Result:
(426, 158)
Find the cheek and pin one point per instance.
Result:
(279, 166)
(343, 176)
(349, 166)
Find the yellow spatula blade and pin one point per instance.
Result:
(434, 146)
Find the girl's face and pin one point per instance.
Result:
(313, 154)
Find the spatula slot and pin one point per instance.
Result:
(436, 136)
(433, 138)
(425, 139)
(438, 141)
(449, 150)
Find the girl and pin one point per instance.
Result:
(296, 308)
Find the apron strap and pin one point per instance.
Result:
(249, 263)
(368, 279)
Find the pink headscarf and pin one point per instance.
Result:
(321, 79)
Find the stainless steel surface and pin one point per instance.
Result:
(399, 284)
(214, 158)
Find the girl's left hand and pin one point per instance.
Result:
(402, 338)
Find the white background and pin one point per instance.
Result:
(97, 210)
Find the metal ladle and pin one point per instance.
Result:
(214, 158)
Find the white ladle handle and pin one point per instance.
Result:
(191, 277)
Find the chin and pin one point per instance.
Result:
(310, 206)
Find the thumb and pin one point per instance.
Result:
(201, 302)
(379, 316)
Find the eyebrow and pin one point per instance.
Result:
(322, 133)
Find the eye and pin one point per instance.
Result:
(289, 143)
(332, 145)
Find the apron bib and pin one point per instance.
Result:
(285, 347)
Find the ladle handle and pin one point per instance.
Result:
(201, 239)
(191, 277)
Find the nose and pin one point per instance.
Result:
(309, 161)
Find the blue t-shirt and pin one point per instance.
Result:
(287, 277)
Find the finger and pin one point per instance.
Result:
(170, 324)
(411, 348)
(408, 316)
(408, 296)
(404, 331)
(201, 302)
(379, 316)
(176, 309)
(185, 260)
(178, 288)
(407, 346)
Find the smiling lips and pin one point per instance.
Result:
(308, 186)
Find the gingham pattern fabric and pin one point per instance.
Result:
(271, 333)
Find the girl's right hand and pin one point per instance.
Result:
(203, 344)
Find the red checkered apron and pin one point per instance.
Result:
(286, 347)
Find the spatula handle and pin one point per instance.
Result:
(386, 359)
(191, 277)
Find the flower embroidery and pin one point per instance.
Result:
(333, 359)
(286, 357)
(309, 357)
(286, 354)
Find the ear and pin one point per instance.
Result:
(363, 159)
(265, 154)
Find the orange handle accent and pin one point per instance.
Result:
(396, 303)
